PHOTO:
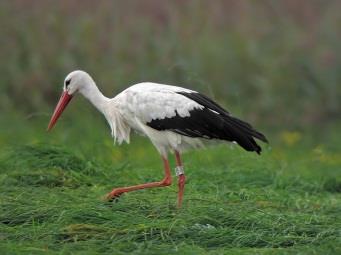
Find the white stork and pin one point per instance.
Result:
(173, 118)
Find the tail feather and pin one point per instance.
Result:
(246, 127)
(243, 133)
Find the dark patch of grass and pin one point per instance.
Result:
(332, 185)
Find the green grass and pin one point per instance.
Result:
(286, 201)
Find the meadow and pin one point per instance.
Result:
(286, 201)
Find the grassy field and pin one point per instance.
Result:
(286, 201)
(273, 63)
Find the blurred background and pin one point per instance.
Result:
(276, 64)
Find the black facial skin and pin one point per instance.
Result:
(67, 83)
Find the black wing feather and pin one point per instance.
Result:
(211, 122)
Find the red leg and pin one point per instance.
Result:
(182, 179)
(166, 181)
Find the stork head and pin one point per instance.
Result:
(74, 82)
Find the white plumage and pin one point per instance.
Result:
(144, 102)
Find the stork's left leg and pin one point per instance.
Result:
(166, 181)
(181, 175)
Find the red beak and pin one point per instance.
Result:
(63, 102)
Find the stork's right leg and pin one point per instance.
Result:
(166, 181)
(182, 178)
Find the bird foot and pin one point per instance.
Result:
(113, 196)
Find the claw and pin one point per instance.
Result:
(113, 196)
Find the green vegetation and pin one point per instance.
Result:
(286, 201)
(264, 55)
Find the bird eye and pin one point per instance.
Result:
(67, 83)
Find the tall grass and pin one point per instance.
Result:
(280, 59)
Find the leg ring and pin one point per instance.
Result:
(179, 170)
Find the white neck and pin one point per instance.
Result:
(95, 96)
(120, 130)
